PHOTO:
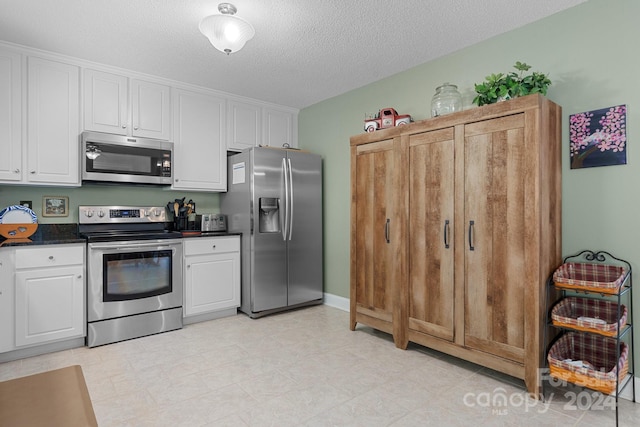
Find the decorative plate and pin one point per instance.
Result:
(17, 214)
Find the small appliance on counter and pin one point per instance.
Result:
(212, 222)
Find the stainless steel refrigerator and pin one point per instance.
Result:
(274, 199)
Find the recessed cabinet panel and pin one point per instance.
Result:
(53, 122)
(212, 274)
(211, 283)
(11, 115)
(280, 128)
(431, 244)
(150, 103)
(7, 300)
(244, 125)
(106, 102)
(495, 259)
(49, 305)
(200, 161)
(373, 229)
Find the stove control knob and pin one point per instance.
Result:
(88, 214)
(101, 213)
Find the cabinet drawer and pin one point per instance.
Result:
(49, 256)
(211, 245)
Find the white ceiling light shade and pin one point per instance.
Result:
(227, 32)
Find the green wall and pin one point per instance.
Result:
(590, 55)
(589, 52)
(103, 195)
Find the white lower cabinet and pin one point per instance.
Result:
(49, 294)
(212, 274)
(7, 333)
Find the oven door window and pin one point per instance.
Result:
(135, 275)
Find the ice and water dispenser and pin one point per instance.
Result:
(269, 216)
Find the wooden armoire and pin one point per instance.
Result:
(455, 228)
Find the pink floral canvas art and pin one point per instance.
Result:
(598, 137)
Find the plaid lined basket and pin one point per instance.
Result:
(597, 350)
(601, 278)
(568, 311)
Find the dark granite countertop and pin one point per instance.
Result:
(48, 234)
(55, 234)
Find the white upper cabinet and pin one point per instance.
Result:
(53, 126)
(280, 128)
(106, 106)
(116, 104)
(151, 109)
(199, 155)
(10, 115)
(253, 124)
(244, 125)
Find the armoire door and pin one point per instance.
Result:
(430, 236)
(373, 230)
(495, 159)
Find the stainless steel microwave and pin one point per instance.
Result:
(117, 158)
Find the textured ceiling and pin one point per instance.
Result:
(304, 51)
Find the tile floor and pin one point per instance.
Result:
(304, 368)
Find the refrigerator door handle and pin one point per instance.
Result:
(291, 198)
(285, 224)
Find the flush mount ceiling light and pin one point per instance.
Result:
(226, 32)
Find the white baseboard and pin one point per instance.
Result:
(336, 301)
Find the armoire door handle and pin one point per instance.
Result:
(471, 226)
(386, 231)
(446, 234)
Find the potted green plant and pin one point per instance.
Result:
(500, 87)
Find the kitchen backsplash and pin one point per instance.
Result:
(102, 195)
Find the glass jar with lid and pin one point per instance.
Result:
(446, 100)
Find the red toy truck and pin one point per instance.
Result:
(386, 118)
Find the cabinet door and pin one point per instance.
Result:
(49, 305)
(372, 290)
(243, 125)
(279, 128)
(431, 255)
(151, 110)
(200, 161)
(53, 122)
(10, 115)
(212, 283)
(7, 321)
(106, 102)
(495, 158)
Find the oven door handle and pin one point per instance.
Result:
(120, 246)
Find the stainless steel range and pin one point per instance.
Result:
(134, 272)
